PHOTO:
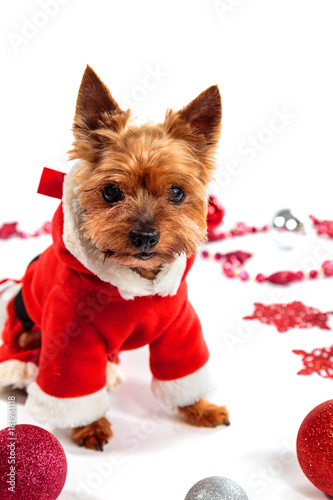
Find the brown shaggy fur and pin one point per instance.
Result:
(145, 163)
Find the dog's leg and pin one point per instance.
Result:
(30, 340)
(93, 436)
(204, 414)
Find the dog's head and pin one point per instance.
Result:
(143, 189)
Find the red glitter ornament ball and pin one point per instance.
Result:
(33, 465)
(315, 446)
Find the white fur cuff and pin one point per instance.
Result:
(114, 375)
(7, 292)
(183, 391)
(66, 412)
(17, 374)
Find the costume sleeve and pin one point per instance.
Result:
(178, 361)
(70, 388)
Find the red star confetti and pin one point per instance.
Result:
(293, 315)
(318, 361)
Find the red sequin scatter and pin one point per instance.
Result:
(47, 227)
(318, 361)
(323, 226)
(239, 255)
(232, 265)
(284, 277)
(8, 230)
(215, 213)
(286, 316)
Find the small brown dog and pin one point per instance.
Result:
(133, 212)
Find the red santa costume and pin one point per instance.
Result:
(88, 312)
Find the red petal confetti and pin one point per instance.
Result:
(8, 230)
(239, 255)
(231, 267)
(47, 227)
(284, 277)
(211, 236)
(286, 316)
(318, 361)
(323, 226)
(215, 213)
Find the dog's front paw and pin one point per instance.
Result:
(93, 436)
(204, 414)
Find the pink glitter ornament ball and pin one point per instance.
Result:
(315, 446)
(32, 464)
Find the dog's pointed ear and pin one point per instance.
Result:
(202, 117)
(204, 113)
(97, 118)
(95, 106)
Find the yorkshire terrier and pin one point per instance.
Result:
(132, 216)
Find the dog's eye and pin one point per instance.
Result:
(177, 195)
(112, 193)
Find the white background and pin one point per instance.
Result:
(269, 59)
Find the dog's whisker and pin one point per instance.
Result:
(107, 254)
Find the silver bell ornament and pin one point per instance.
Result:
(287, 227)
(216, 488)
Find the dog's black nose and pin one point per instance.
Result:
(144, 240)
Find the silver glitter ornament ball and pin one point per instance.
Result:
(287, 228)
(284, 219)
(216, 488)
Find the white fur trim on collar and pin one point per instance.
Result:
(183, 391)
(129, 283)
(66, 412)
